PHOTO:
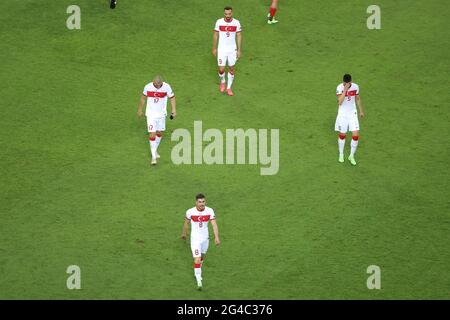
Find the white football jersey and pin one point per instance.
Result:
(348, 106)
(227, 34)
(157, 99)
(199, 222)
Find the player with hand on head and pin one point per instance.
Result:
(198, 217)
(271, 15)
(347, 117)
(226, 32)
(155, 95)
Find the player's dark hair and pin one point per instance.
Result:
(200, 196)
(347, 78)
(228, 8)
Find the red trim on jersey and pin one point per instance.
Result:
(155, 94)
(351, 93)
(204, 218)
(228, 28)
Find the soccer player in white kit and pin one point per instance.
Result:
(198, 217)
(156, 94)
(347, 118)
(226, 31)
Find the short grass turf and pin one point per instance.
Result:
(77, 189)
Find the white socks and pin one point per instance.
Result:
(158, 140)
(153, 147)
(353, 146)
(154, 144)
(198, 271)
(222, 77)
(341, 143)
(230, 80)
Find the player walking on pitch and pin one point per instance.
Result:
(155, 94)
(199, 216)
(347, 118)
(272, 11)
(226, 31)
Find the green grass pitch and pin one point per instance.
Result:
(77, 189)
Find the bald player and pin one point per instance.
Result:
(155, 95)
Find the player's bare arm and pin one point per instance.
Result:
(141, 105)
(216, 232)
(173, 104)
(341, 97)
(215, 39)
(359, 105)
(239, 42)
(185, 228)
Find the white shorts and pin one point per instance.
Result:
(199, 247)
(346, 123)
(224, 57)
(156, 124)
